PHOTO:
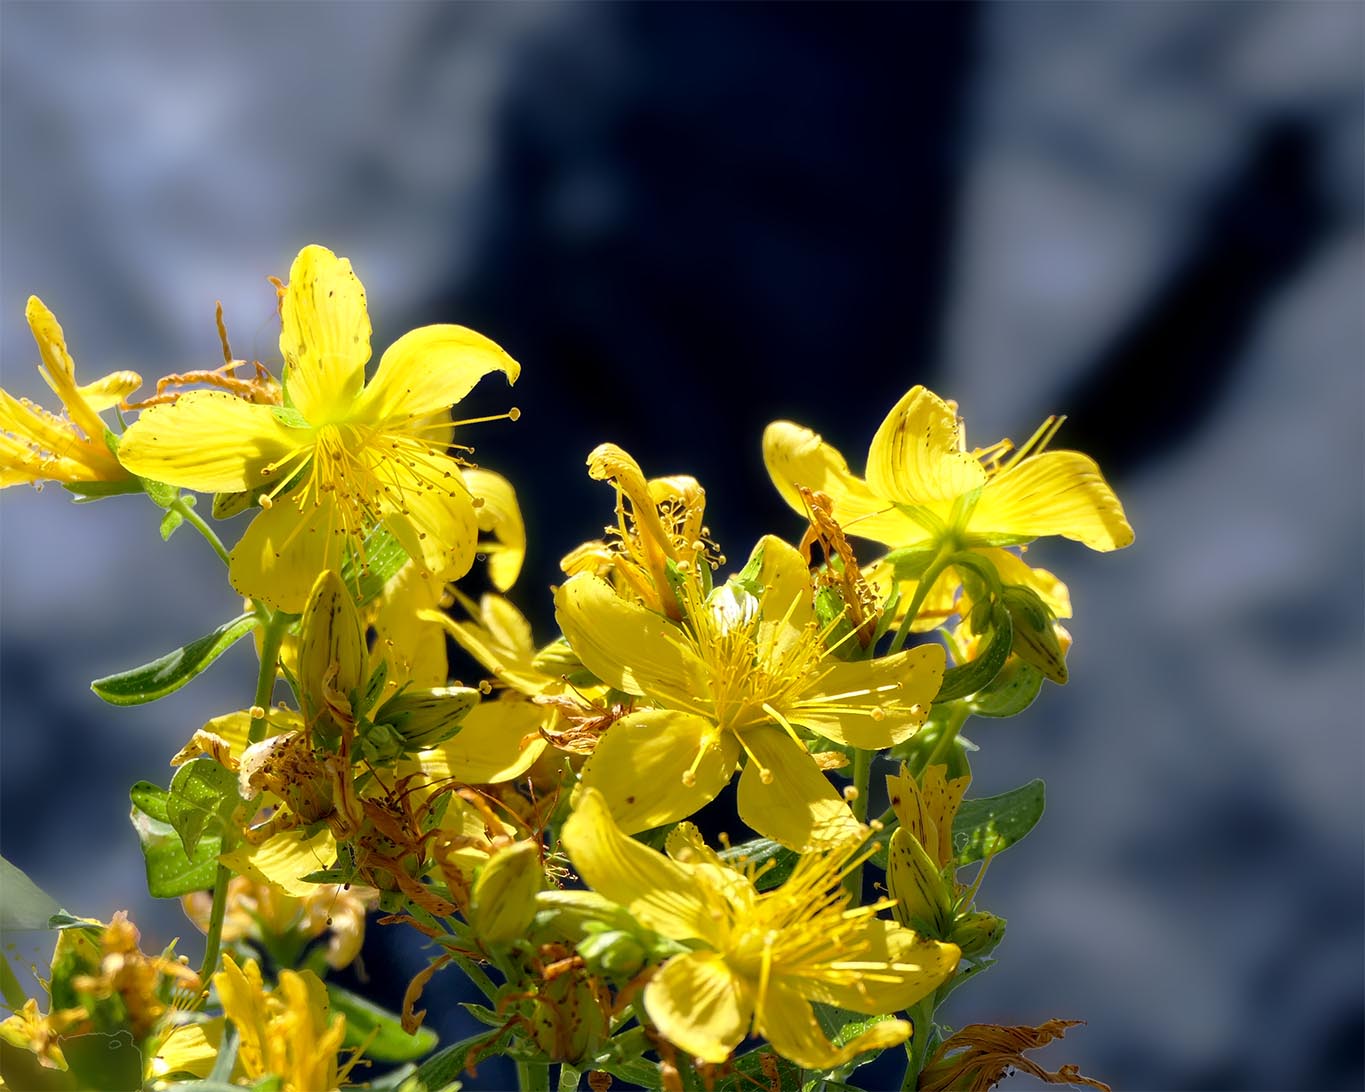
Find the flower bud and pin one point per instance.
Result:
(1035, 632)
(923, 901)
(613, 952)
(423, 717)
(332, 657)
(503, 901)
(977, 933)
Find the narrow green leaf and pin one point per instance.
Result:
(448, 1065)
(364, 1018)
(85, 492)
(992, 823)
(227, 1055)
(25, 904)
(175, 669)
(203, 794)
(976, 674)
(171, 872)
(383, 557)
(10, 991)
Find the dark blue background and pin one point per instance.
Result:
(687, 220)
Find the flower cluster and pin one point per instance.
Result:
(538, 828)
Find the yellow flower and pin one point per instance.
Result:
(340, 456)
(36, 445)
(734, 680)
(923, 487)
(759, 958)
(286, 1032)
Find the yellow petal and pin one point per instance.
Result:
(700, 1005)
(189, 1048)
(660, 893)
(233, 728)
(410, 643)
(916, 456)
(897, 968)
(498, 741)
(500, 645)
(787, 593)
(59, 370)
(797, 456)
(436, 524)
(324, 335)
(109, 390)
(623, 644)
(797, 805)
(282, 551)
(644, 762)
(1055, 493)
(212, 442)
(500, 516)
(788, 1022)
(430, 369)
(872, 704)
(283, 859)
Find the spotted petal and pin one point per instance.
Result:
(324, 335)
(916, 457)
(873, 704)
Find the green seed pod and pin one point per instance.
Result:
(424, 717)
(1035, 632)
(977, 933)
(923, 901)
(503, 901)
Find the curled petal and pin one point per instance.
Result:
(787, 1021)
(1054, 493)
(916, 457)
(427, 370)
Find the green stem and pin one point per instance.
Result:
(917, 1050)
(272, 636)
(862, 777)
(926, 582)
(195, 520)
(533, 1076)
(957, 717)
(568, 1078)
(214, 937)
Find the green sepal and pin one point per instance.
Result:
(1035, 632)
(977, 674)
(289, 417)
(163, 495)
(203, 794)
(910, 562)
(364, 1018)
(989, 824)
(1011, 692)
(172, 671)
(748, 577)
(171, 872)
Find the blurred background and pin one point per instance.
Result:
(689, 220)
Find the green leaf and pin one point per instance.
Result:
(227, 1055)
(25, 905)
(746, 1073)
(992, 823)
(1011, 692)
(175, 669)
(842, 1027)
(10, 991)
(171, 872)
(203, 794)
(976, 674)
(447, 1065)
(775, 860)
(109, 1062)
(85, 492)
(364, 1018)
(383, 557)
